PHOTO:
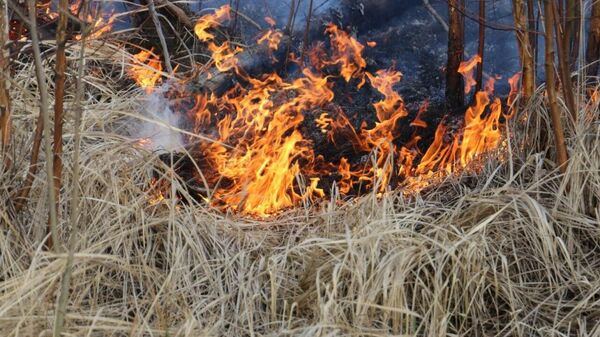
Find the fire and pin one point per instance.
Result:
(101, 25)
(261, 161)
(418, 121)
(480, 135)
(347, 52)
(146, 70)
(324, 122)
(514, 88)
(392, 105)
(210, 21)
(272, 38)
(466, 69)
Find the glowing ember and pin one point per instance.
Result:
(261, 162)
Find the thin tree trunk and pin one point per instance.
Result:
(559, 136)
(533, 37)
(525, 49)
(455, 96)
(5, 125)
(593, 46)
(571, 38)
(563, 66)
(59, 95)
(481, 47)
(307, 30)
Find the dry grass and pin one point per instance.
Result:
(512, 251)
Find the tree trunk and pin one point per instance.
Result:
(455, 96)
(563, 65)
(481, 47)
(559, 136)
(525, 48)
(593, 46)
(533, 24)
(572, 36)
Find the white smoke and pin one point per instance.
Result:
(158, 130)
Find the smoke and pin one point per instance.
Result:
(157, 131)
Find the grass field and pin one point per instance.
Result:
(511, 250)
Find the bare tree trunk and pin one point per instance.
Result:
(481, 47)
(5, 125)
(533, 37)
(593, 46)
(559, 136)
(455, 96)
(563, 65)
(525, 48)
(307, 30)
(572, 36)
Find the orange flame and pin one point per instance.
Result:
(480, 135)
(466, 69)
(146, 70)
(272, 38)
(211, 21)
(261, 159)
(101, 27)
(347, 52)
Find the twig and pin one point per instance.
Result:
(178, 12)
(43, 88)
(436, 15)
(161, 36)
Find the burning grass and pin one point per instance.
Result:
(511, 250)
